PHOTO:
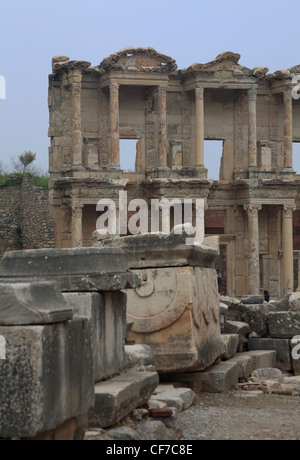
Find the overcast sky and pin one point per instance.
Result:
(264, 32)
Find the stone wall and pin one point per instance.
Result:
(25, 222)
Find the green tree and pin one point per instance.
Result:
(23, 163)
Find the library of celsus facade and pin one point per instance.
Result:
(139, 94)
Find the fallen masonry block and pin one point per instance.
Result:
(181, 398)
(268, 374)
(107, 315)
(262, 358)
(24, 303)
(46, 380)
(236, 327)
(231, 342)
(256, 316)
(281, 346)
(219, 378)
(285, 324)
(245, 364)
(252, 299)
(117, 397)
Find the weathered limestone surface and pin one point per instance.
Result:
(24, 303)
(281, 346)
(176, 309)
(117, 397)
(231, 342)
(107, 315)
(76, 270)
(47, 377)
(284, 325)
(256, 316)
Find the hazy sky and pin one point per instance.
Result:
(264, 32)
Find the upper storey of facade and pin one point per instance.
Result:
(138, 93)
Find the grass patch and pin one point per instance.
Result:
(42, 182)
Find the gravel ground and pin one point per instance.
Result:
(237, 416)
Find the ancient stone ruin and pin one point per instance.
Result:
(172, 115)
(105, 326)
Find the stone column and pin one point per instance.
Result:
(162, 126)
(114, 126)
(252, 146)
(253, 260)
(288, 129)
(75, 81)
(199, 93)
(287, 248)
(76, 224)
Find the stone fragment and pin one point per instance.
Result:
(260, 71)
(117, 397)
(47, 377)
(107, 315)
(284, 325)
(262, 358)
(281, 346)
(155, 404)
(236, 327)
(252, 299)
(268, 374)
(181, 398)
(153, 430)
(219, 378)
(245, 364)
(139, 355)
(294, 301)
(124, 433)
(76, 270)
(256, 316)
(231, 342)
(32, 303)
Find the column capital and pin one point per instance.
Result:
(114, 88)
(199, 93)
(288, 210)
(287, 94)
(252, 93)
(252, 209)
(75, 76)
(76, 208)
(162, 90)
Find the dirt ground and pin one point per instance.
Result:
(237, 416)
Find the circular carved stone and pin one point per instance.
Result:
(162, 300)
(146, 289)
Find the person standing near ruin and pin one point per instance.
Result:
(219, 279)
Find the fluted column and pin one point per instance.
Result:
(253, 260)
(76, 224)
(199, 94)
(288, 129)
(287, 248)
(162, 126)
(75, 81)
(252, 136)
(114, 126)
